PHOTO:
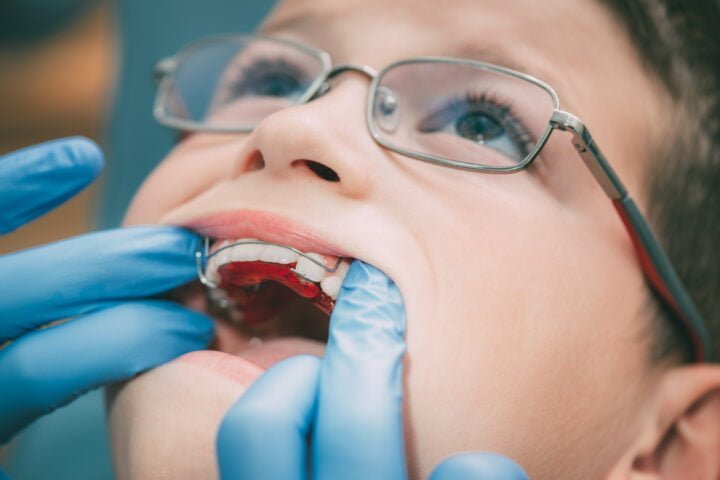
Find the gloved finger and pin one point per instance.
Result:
(84, 274)
(359, 431)
(264, 434)
(478, 466)
(36, 179)
(48, 368)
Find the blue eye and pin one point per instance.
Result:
(483, 120)
(478, 126)
(270, 78)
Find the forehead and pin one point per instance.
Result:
(554, 40)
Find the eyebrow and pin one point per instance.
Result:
(469, 49)
(488, 54)
(293, 21)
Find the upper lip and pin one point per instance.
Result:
(263, 226)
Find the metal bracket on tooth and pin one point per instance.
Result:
(203, 255)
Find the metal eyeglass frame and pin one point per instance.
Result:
(654, 261)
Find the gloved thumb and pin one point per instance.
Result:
(478, 466)
(360, 394)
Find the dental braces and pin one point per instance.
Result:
(203, 256)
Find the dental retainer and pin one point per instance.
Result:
(221, 293)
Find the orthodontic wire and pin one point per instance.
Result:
(203, 255)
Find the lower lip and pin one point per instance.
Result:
(248, 364)
(237, 369)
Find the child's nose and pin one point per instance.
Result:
(326, 139)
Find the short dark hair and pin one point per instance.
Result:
(679, 43)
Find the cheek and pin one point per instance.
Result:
(163, 423)
(533, 340)
(194, 167)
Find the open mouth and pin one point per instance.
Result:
(269, 301)
(258, 278)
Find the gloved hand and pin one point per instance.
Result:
(351, 401)
(97, 280)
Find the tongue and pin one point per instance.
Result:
(257, 289)
(245, 366)
(270, 352)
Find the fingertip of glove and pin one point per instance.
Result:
(170, 318)
(189, 238)
(205, 328)
(81, 154)
(89, 152)
(202, 326)
(159, 238)
(303, 365)
(480, 465)
(372, 280)
(361, 273)
(368, 289)
(35, 179)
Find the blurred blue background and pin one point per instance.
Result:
(149, 32)
(72, 442)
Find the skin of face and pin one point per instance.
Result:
(526, 308)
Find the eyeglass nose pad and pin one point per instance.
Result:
(322, 90)
(386, 109)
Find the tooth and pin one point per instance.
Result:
(219, 297)
(219, 244)
(343, 268)
(331, 285)
(277, 254)
(246, 252)
(222, 257)
(211, 264)
(308, 269)
(211, 271)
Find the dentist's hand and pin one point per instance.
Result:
(98, 281)
(351, 401)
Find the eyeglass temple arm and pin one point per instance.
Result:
(163, 68)
(655, 263)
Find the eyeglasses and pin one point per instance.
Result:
(452, 112)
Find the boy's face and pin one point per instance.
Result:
(525, 303)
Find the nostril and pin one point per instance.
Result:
(256, 161)
(322, 171)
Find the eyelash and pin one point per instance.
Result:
(479, 102)
(260, 66)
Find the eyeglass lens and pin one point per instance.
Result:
(233, 83)
(444, 109)
(460, 112)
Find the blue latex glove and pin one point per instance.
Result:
(351, 401)
(98, 280)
